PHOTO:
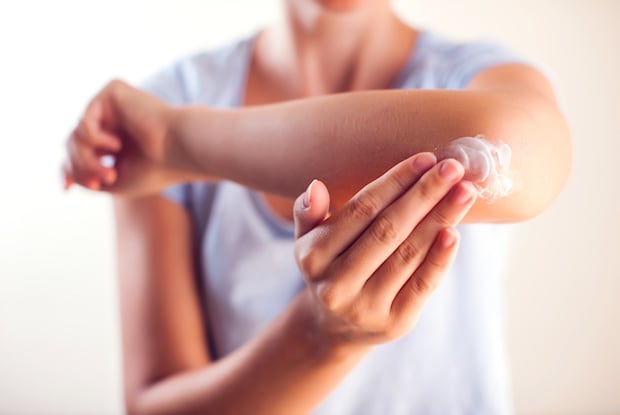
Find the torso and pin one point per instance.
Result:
(453, 362)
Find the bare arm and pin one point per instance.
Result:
(167, 365)
(346, 139)
(349, 139)
(292, 365)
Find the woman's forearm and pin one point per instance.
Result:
(347, 140)
(287, 369)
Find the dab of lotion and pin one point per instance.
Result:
(486, 165)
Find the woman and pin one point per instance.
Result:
(216, 316)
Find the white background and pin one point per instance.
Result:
(59, 335)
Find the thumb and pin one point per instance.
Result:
(311, 208)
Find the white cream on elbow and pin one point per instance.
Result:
(486, 164)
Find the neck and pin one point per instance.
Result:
(316, 52)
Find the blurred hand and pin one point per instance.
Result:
(372, 266)
(131, 128)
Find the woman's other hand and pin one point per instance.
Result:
(132, 130)
(372, 265)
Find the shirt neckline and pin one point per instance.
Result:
(275, 221)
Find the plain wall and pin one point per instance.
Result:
(59, 333)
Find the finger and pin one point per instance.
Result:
(418, 288)
(395, 223)
(90, 133)
(93, 184)
(86, 167)
(318, 250)
(67, 176)
(94, 109)
(96, 126)
(387, 280)
(311, 208)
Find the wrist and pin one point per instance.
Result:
(325, 344)
(181, 159)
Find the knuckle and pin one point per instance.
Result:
(114, 84)
(328, 296)
(437, 258)
(114, 87)
(408, 252)
(399, 326)
(309, 262)
(422, 286)
(399, 180)
(440, 217)
(384, 230)
(427, 189)
(363, 206)
(356, 316)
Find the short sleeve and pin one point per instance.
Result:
(469, 59)
(178, 194)
(472, 58)
(168, 86)
(212, 78)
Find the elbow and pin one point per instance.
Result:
(135, 402)
(541, 146)
(132, 404)
(131, 408)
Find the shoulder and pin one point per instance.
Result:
(442, 62)
(201, 77)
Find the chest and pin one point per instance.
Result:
(247, 264)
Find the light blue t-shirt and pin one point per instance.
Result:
(453, 362)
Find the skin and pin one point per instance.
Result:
(374, 129)
(370, 266)
(327, 329)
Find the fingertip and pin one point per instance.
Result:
(319, 192)
(65, 175)
(316, 195)
(320, 199)
(67, 183)
(450, 170)
(457, 164)
(448, 237)
(109, 176)
(424, 161)
(306, 200)
(464, 192)
(93, 184)
(311, 207)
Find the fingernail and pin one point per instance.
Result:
(308, 194)
(448, 171)
(424, 161)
